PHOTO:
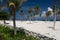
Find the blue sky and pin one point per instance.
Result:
(43, 4)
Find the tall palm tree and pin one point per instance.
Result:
(30, 13)
(55, 11)
(22, 13)
(36, 10)
(13, 6)
(48, 13)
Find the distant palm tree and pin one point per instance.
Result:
(0, 8)
(13, 6)
(36, 10)
(48, 13)
(55, 11)
(58, 13)
(22, 13)
(30, 13)
(4, 16)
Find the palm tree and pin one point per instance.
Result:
(13, 6)
(0, 5)
(4, 16)
(48, 13)
(30, 14)
(22, 13)
(58, 13)
(36, 10)
(0, 8)
(55, 11)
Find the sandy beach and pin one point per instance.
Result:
(42, 27)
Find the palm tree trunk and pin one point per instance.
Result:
(36, 19)
(40, 18)
(54, 20)
(0, 8)
(21, 18)
(4, 23)
(14, 24)
(55, 11)
(30, 19)
(47, 18)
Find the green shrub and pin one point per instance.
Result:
(7, 34)
(31, 38)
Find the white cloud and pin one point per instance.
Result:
(49, 9)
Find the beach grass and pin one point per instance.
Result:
(7, 34)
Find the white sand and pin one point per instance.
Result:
(41, 27)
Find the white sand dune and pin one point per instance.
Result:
(41, 27)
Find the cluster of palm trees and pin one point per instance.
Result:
(14, 5)
(32, 12)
